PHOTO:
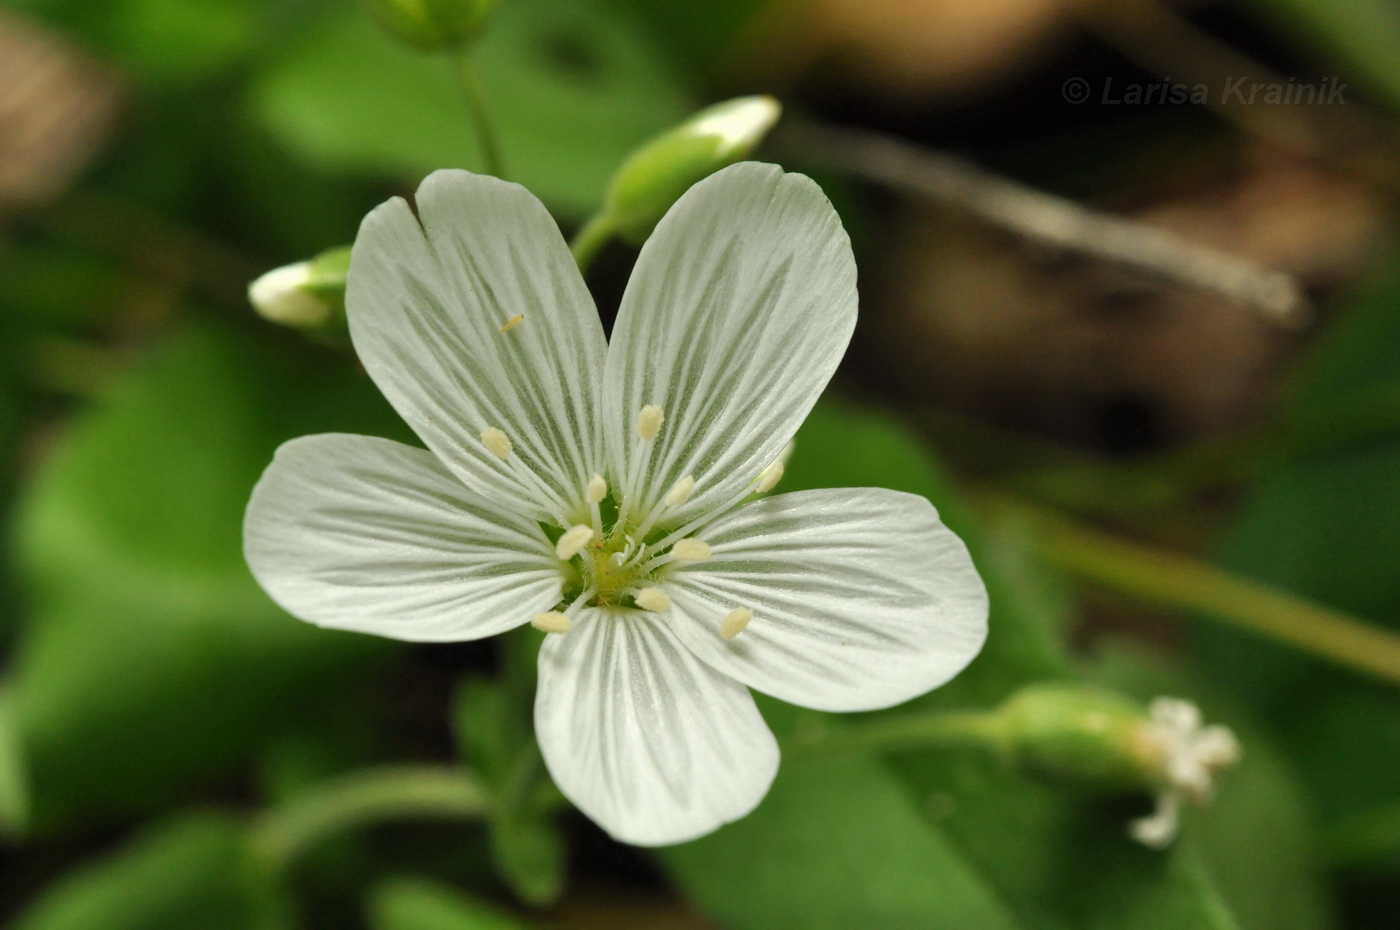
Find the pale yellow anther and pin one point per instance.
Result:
(680, 491)
(573, 541)
(552, 622)
(653, 599)
(691, 550)
(649, 422)
(496, 442)
(597, 489)
(735, 622)
(770, 477)
(512, 323)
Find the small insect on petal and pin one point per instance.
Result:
(573, 541)
(496, 442)
(597, 489)
(552, 622)
(649, 422)
(680, 491)
(653, 599)
(734, 624)
(512, 323)
(691, 550)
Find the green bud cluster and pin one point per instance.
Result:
(433, 25)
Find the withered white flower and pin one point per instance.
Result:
(613, 495)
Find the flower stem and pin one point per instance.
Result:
(279, 837)
(479, 112)
(945, 730)
(1177, 581)
(590, 238)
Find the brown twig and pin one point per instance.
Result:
(1049, 219)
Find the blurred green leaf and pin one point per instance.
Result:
(836, 844)
(162, 42)
(574, 87)
(493, 725)
(152, 657)
(190, 872)
(1326, 526)
(417, 904)
(1362, 34)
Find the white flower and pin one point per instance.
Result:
(610, 493)
(1190, 756)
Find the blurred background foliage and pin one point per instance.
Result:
(176, 752)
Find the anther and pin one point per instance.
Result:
(570, 544)
(653, 599)
(649, 422)
(691, 550)
(770, 477)
(680, 491)
(496, 442)
(512, 323)
(597, 489)
(734, 624)
(552, 622)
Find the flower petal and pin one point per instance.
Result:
(651, 743)
(431, 308)
(861, 598)
(738, 311)
(371, 535)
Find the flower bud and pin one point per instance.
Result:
(1086, 737)
(307, 295)
(656, 175)
(432, 24)
(1081, 736)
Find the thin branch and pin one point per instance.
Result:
(1052, 220)
(1153, 575)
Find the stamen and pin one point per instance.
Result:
(552, 621)
(653, 599)
(734, 624)
(512, 323)
(680, 491)
(691, 550)
(770, 476)
(597, 489)
(496, 442)
(570, 544)
(649, 422)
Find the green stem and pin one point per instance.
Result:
(282, 835)
(1181, 582)
(947, 730)
(480, 113)
(589, 239)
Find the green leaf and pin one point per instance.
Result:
(1325, 526)
(417, 904)
(574, 87)
(190, 872)
(1361, 34)
(164, 42)
(836, 844)
(493, 725)
(151, 657)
